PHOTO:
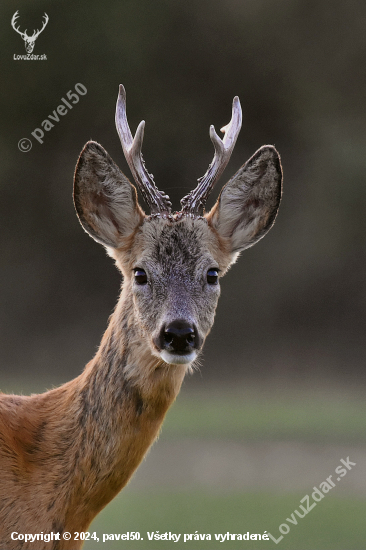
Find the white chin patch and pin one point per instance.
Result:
(173, 359)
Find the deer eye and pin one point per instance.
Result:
(212, 276)
(140, 276)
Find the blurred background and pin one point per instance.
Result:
(279, 398)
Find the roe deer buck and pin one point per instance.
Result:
(66, 453)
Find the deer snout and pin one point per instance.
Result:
(178, 342)
(178, 336)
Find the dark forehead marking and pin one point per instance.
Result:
(180, 242)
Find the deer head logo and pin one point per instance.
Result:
(28, 40)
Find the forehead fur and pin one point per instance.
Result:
(179, 243)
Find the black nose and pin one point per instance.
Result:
(178, 337)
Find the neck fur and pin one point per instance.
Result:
(123, 396)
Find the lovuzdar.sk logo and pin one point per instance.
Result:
(29, 41)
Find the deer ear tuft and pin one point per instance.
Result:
(105, 201)
(247, 206)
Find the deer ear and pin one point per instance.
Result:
(247, 206)
(105, 201)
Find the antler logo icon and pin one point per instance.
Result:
(28, 40)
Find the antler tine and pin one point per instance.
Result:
(38, 32)
(158, 202)
(13, 21)
(197, 198)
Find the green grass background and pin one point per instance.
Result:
(307, 413)
(313, 414)
(334, 524)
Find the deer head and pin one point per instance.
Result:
(172, 263)
(29, 41)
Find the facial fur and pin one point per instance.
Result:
(176, 256)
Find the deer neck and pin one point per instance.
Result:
(123, 396)
(125, 363)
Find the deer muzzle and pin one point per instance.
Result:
(178, 342)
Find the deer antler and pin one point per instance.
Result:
(37, 32)
(158, 202)
(196, 199)
(13, 21)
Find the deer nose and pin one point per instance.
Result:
(179, 337)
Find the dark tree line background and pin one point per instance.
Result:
(293, 305)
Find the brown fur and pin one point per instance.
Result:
(66, 453)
